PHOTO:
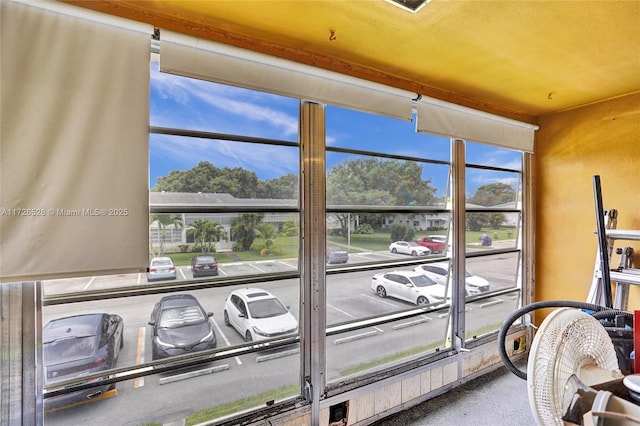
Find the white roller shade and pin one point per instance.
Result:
(73, 146)
(207, 60)
(451, 120)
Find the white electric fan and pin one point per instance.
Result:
(572, 344)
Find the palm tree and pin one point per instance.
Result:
(268, 232)
(243, 229)
(206, 233)
(163, 220)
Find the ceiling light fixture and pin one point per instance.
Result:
(411, 5)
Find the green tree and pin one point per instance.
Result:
(205, 177)
(291, 227)
(497, 219)
(285, 187)
(267, 232)
(477, 221)
(163, 220)
(490, 195)
(206, 233)
(493, 194)
(243, 229)
(402, 232)
(377, 182)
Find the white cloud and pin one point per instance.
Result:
(224, 99)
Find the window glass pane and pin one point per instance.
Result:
(389, 206)
(495, 230)
(501, 271)
(376, 182)
(362, 131)
(487, 155)
(187, 103)
(383, 346)
(493, 189)
(354, 238)
(486, 312)
(154, 327)
(241, 170)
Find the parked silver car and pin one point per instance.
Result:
(161, 268)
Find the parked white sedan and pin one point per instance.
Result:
(411, 286)
(439, 272)
(257, 315)
(410, 248)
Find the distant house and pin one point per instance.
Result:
(222, 208)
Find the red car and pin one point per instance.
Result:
(435, 245)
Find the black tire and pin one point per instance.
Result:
(393, 250)
(121, 341)
(226, 319)
(422, 301)
(381, 292)
(247, 336)
(414, 253)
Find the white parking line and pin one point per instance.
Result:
(351, 316)
(89, 283)
(215, 323)
(139, 278)
(263, 271)
(139, 382)
(182, 273)
(286, 264)
(378, 299)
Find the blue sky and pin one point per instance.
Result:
(198, 105)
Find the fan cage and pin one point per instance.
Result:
(567, 340)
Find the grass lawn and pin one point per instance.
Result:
(287, 247)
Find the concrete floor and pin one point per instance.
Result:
(498, 398)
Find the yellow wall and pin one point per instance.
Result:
(571, 147)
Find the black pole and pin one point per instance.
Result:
(602, 243)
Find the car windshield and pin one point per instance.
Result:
(266, 308)
(422, 281)
(178, 317)
(64, 349)
(413, 244)
(205, 259)
(161, 262)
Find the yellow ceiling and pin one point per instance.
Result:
(522, 59)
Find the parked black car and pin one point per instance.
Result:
(180, 326)
(79, 345)
(204, 265)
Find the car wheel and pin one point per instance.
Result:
(247, 336)
(393, 250)
(413, 253)
(423, 300)
(226, 319)
(380, 291)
